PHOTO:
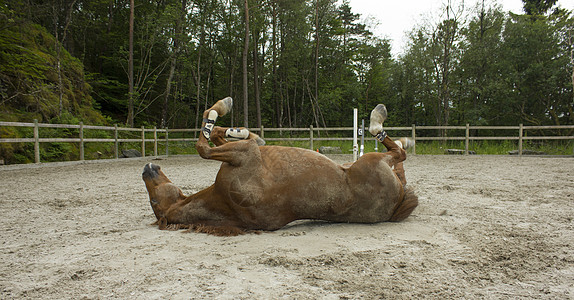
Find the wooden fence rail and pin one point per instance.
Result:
(81, 139)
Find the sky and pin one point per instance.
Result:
(396, 18)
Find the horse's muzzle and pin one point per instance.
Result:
(150, 171)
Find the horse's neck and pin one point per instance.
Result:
(202, 206)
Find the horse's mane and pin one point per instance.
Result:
(201, 228)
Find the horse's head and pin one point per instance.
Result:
(162, 193)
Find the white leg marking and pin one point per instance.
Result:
(209, 123)
(236, 133)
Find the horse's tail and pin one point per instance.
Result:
(405, 207)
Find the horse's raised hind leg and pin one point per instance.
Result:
(395, 152)
(403, 143)
(408, 201)
(400, 172)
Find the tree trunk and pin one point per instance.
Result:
(245, 50)
(274, 59)
(58, 64)
(280, 82)
(173, 57)
(165, 106)
(256, 77)
(130, 121)
(58, 45)
(198, 78)
(316, 59)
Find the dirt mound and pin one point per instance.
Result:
(486, 227)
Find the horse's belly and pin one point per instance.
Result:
(367, 192)
(305, 185)
(293, 184)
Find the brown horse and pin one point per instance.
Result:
(267, 187)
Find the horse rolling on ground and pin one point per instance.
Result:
(267, 187)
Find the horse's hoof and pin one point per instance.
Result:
(406, 143)
(226, 105)
(378, 116)
(260, 141)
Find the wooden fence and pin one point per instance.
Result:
(162, 135)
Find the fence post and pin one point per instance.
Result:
(36, 142)
(466, 137)
(520, 132)
(311, 136)
(143, 141)
(81, 141)
(167, 141)
(116, 141)
(155, 141)
(355, 129)
(262, 132)
(414, 137)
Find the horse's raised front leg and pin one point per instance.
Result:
(236, 153)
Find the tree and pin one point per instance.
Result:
(179, 15)
(479, 69)
(537, 70)
(374, 64)
(445, 38)
(245, 74)
(305, 61)
(416, 87)
(436, 47)
(57, 25)
(130, 121)
(537, 7)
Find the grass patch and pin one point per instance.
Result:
(496, 147)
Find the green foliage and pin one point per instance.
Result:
(30, 89)
(495, 147)
(30, 81)
(507, 69)
(537, 7)
(309, 62)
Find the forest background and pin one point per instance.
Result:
(286, 63)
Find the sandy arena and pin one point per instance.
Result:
(487, 227)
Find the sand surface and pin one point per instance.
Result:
(487, 227)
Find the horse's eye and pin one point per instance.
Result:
(153, 201)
